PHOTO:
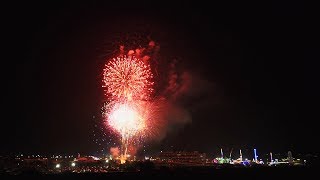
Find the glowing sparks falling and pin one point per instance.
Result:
(126, 120)
(128, 83)
(128, 78)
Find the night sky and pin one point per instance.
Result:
(251, 87)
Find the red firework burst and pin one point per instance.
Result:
(128, 78)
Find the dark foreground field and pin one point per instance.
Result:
(186, 173)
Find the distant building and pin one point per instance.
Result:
(87, 159)
(183, 158)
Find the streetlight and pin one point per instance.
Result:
(58, 165)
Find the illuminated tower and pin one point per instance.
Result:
(271, 157)
(221, 153)
(230, 153)
(290, 158)
(255, 155)
(240, 155)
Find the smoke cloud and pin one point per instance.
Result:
(115, 151)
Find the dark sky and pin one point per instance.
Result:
(251, 59)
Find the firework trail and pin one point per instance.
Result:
(138, 109)
(128, 84)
